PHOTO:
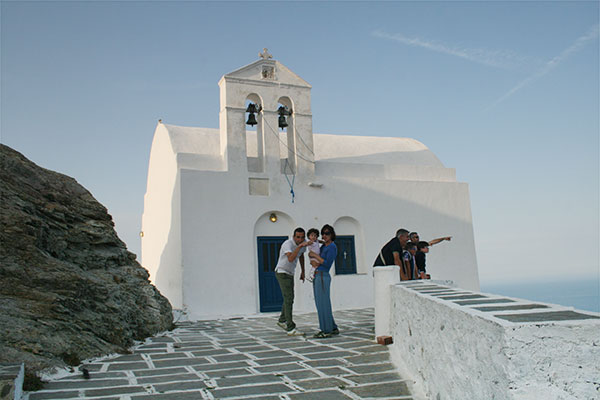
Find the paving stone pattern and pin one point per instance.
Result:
(244, 358)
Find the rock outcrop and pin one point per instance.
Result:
(69, 289)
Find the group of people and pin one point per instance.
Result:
(404, 250)
(407, 251)
(322, 254)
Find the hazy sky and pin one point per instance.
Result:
(505, 92)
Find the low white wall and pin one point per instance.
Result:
(456, 344)
(19, 380)
(351, 291)
(347, 292)
(385, 279)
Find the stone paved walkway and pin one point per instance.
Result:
(243, 359)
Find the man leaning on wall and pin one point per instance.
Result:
(391, 253)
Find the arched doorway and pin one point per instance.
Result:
(270, 231)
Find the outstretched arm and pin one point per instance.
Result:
(292, 256)
(436, 241)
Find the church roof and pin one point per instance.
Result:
(194, 140)
(373, 150)
(330, 148)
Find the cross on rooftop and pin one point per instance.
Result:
(265, 54)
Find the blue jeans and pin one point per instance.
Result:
(321, 289)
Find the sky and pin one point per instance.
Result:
(507, 93)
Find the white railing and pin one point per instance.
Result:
(459, 344)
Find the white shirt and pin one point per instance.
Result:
(315, 247)
(283, 264)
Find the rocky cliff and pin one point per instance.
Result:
(69, 289)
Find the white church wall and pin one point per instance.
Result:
(161, 240)
(419, 173)
(193, 140)
(200, 161)
(433, 209)
(218, 269)
(221, 201)
(236, 140)
(383, 171)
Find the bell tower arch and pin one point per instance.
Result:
(270, 87)
(255, 144)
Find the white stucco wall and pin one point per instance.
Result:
(161, 240)
(212, 199)
(453, 351)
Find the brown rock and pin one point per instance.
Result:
(69, 289)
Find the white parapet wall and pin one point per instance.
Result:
(459, 344)
(384, 280)
(11, 381)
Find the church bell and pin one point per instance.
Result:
(282, 122)
(283, 111)
(251, 120)
(251, 109)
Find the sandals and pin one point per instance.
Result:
(321, 335)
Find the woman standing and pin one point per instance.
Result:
(322, 283)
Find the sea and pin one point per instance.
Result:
(583, 294)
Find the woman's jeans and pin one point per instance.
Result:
(321, 286)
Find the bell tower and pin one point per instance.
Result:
(266, 122)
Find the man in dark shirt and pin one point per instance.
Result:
(391, 253)
(409, 260)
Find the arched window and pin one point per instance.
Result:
(255, 152)
(287, 142)
(349, 243)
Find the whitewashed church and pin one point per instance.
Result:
(219, 202)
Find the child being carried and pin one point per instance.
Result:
(314, 247)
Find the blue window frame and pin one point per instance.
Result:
(345, 262)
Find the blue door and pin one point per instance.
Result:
(345, 262)
(268, 287)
